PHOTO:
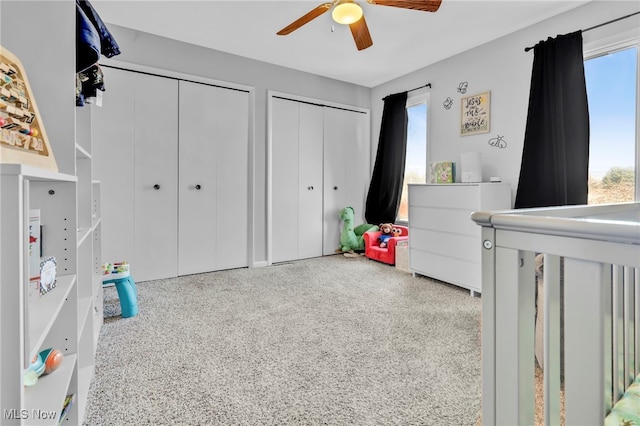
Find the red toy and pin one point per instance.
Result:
(374, 250)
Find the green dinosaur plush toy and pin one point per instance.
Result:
(351, 238)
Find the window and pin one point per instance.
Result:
(415, 166)
(611, 77)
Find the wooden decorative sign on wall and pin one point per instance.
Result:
(22, 135)
(475, 114)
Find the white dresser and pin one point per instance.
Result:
(444, 243)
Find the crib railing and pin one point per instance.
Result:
(599, 247)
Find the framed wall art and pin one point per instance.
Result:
(475, 115)
(22, 135)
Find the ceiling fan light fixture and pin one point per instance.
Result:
(346, 13)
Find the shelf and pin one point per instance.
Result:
(84, 306)
(35, 173)
(96, 209)
(47, 396)
(83, 233)
(82, 153)
(97, 325)
(44, 311)
(84, 382)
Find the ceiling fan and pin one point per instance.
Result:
(348, 12)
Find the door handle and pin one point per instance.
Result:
(335, 188)
(156, 186)
(198, 187)
(310, 188)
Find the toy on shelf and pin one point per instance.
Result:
(66, 407)
(46, 362)
(48, 270)
(115, 268)
(22, 135)
(119, 274)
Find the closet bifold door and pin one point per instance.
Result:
(284, 180)
(156, 172)
(113, 163)
(213, 178)
(296, 173)
(346, 170)
(310, 181)
(135, 156)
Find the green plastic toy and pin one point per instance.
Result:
(351, 239)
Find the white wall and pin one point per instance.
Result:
(504, 68)
(42, 35)
(162, 53)
(501, 66)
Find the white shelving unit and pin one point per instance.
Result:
(89, 255)
(68, 318)
(29, 321)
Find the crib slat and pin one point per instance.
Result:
(514, 350)
(618, 332)
(608, 343)
(629, 329)
(584, 294)
(488, 327)
(637, 320)
(552, 326)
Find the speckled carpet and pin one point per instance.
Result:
(325, 341)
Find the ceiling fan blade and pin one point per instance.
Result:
(305, 19)
(423, 5)
(361, 34)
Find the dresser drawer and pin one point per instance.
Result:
(445, 196)
(457, 221)
(454, 271)
(456, 246)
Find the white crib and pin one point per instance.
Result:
(600, 248)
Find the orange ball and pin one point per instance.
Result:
(53, 361)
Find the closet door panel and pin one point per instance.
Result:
(284, 180)
(156, 167)
(113, 162)
(337, 137)
(325, 151)
(231, 127)
(346, 169)
(310, 130)
(230, 119)
(198, 152)
(358, 176)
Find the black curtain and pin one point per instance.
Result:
(555, 158)
(385, 189)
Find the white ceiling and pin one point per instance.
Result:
(403, 40)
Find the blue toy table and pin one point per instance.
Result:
(127, 291)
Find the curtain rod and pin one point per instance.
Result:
(410, 90)
(526, 49)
